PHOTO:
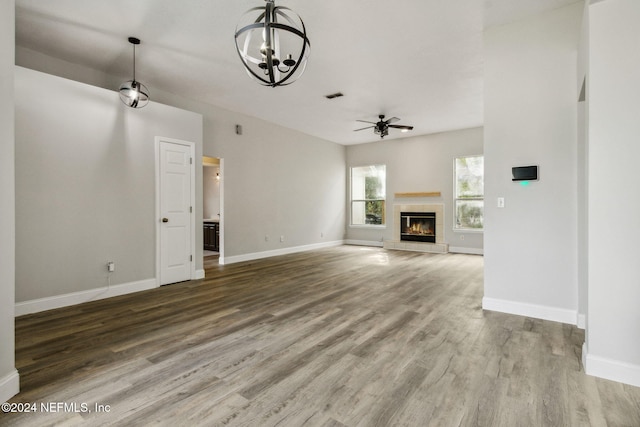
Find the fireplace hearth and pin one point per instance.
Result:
(418, 226)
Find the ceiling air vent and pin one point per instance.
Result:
(334, 95)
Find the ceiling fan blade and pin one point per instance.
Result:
(368, 127)
(364, 121)
(392, 120)
(401, 127)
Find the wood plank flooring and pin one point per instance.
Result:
(346, 336)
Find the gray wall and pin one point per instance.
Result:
(8, 374)
(530, 118)
(583, 169)
(85, 185)
(211, 192)
(275, 181)
(419, 164)
(613, 327)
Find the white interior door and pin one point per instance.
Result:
(176, 211)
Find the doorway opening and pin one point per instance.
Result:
(212, 210)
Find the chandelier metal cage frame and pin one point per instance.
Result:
(133, 93)
(274, 24)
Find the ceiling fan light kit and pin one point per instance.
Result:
(133, 93)
(382, 126)
(273, 45)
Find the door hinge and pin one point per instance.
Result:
(191, 258)
(190, 160)
(190, 209)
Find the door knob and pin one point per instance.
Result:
(165, 219)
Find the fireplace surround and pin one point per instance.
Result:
(437, 245)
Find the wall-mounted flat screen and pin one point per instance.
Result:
(525, 173)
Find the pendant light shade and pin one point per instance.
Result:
(273, 45)
(133, 93)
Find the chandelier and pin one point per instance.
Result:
(273, 45)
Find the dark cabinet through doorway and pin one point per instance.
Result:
(212, 236)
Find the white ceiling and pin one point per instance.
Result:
(420, 60)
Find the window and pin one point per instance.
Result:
(469, 193)
(368, 194)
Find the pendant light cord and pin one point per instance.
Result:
(134, 62)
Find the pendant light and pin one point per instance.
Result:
(273, 45)
(133, 93)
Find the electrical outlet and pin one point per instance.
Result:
(282, 238)
(266, 238)
(111, 266)
(501, 202)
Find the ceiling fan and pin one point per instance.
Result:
(382, 127)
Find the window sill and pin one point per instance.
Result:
(469, 230)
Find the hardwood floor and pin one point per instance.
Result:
(347, 336)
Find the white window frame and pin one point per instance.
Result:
(352, 200)
(456, 199)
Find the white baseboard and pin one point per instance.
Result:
(364, 243)
(610, 369)
(543, 312)
(9, 386)
(65, 300)
(278, 252)
(470, 251)
(199, 274)
(455, 249)
(582, 321)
